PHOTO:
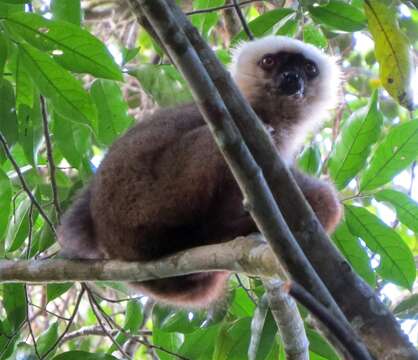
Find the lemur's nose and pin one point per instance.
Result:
(291, 83)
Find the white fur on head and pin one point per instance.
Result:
(324, 89)
(247, 55)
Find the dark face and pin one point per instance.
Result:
(291, 73)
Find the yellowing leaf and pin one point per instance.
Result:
(392, 51)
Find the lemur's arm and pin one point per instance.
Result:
(322, 197)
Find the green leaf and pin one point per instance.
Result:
(163, 83)
(65, 92)
(407, 308)
(310, 160)
(170, 320)
(233, 340)
(319, 346)
(72, 139)
(54, 291)
(353, 145)
(352, 250)
(199, 344)
(396, 261)
(72, 47)
(242, 306)
(14, 302)
(5, 201)
(76, 355)
(289, 28)
(266, 23)
(394, 154)
(8, 118)
(47, 340)
(167, 341)
(133, 319)
(406, 208)
(206, 22)
(134, 316)
(129, 54)
(25, 89)
(112, 110)
(17, 222)
(7, 9)
(67, 10)
(44, 238)
(30, 131)
(313, 35)
(392, 51)
(339, 15)
(3, 54)
(16, 1)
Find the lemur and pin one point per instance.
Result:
(164, 187)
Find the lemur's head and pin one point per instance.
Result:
(291, 84)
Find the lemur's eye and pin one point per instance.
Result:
(311, 69)
(268, 62)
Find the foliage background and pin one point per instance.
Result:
(64, 99)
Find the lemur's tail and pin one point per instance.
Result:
(191, 291)
(76, 232)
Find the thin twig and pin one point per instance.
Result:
(35, 345)
(247, 291)
(73, 315)
(23, 182)
(345, 337)
(242, 20)
(112, 323)
(93, 305)
(97, 330)
(51, 163)
(49, 312)
(216, 8)
(30, 231)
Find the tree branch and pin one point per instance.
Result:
(248, 255)
(321, 313)
(288, 320)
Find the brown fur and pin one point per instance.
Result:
(164, 187)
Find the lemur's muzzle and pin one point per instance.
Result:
(291, 83)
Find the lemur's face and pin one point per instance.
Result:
(286, 75)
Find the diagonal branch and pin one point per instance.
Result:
(368, 315)
(249, 176)
(51, 162)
